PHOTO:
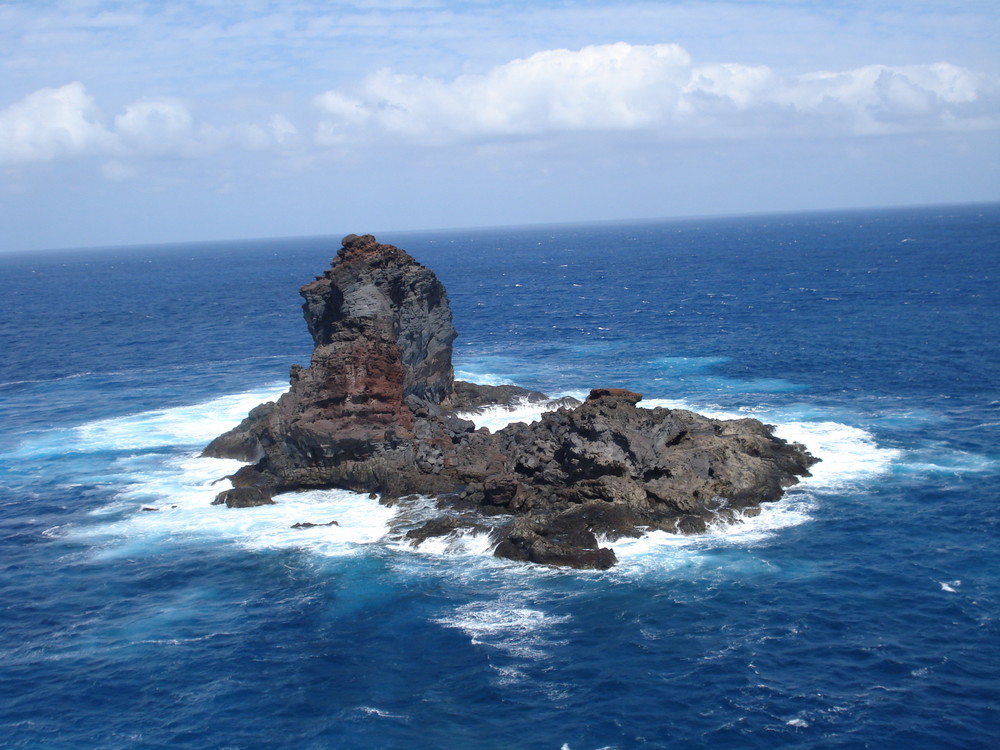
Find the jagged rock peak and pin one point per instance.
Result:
(371, 281)
(354, 247)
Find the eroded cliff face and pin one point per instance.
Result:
(369, 281)
(383, 337)
(375, 411)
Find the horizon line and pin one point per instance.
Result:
(508, 227)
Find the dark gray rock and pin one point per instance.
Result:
(442, 526)
(244, 497)
(241, 442)
(611, 468)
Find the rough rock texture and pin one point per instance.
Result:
(383, 336)
(410, 320)
(378, 410)
(609, 468)
(244, 497)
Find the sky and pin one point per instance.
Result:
(135, 122)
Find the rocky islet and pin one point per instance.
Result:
(378, 411)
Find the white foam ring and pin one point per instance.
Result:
(193, 425)
(182, 487)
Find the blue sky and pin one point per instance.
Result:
(143, 122)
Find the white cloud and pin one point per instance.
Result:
(885, 99)
(65, 122)
(610, 87)
(282, 130)
(345, 116)
(657, 88)
(618, 89)
(156, 126)
(52, 123)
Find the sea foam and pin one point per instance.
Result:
(167, 490)
(197, 424)
(511, 624)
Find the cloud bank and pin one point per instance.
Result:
(658, 88)
(611, 89)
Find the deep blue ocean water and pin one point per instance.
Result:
(861, 611)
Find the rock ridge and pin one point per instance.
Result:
(378, 410)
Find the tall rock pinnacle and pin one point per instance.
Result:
(381, 288)
(383, 337)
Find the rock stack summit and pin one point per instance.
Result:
(378, 410)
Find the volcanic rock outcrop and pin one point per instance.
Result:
(378, 410)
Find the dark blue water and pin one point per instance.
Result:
(860, 612)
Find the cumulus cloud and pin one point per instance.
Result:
(65, 122)
(156, 126)
(52, 123)
(612, 87)
(658, 88)
(345, 117)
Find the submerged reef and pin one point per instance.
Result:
(378, 410)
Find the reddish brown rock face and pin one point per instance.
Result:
(357, 376)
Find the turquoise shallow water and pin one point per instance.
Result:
(861, 611)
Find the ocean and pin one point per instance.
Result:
(861, 611)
